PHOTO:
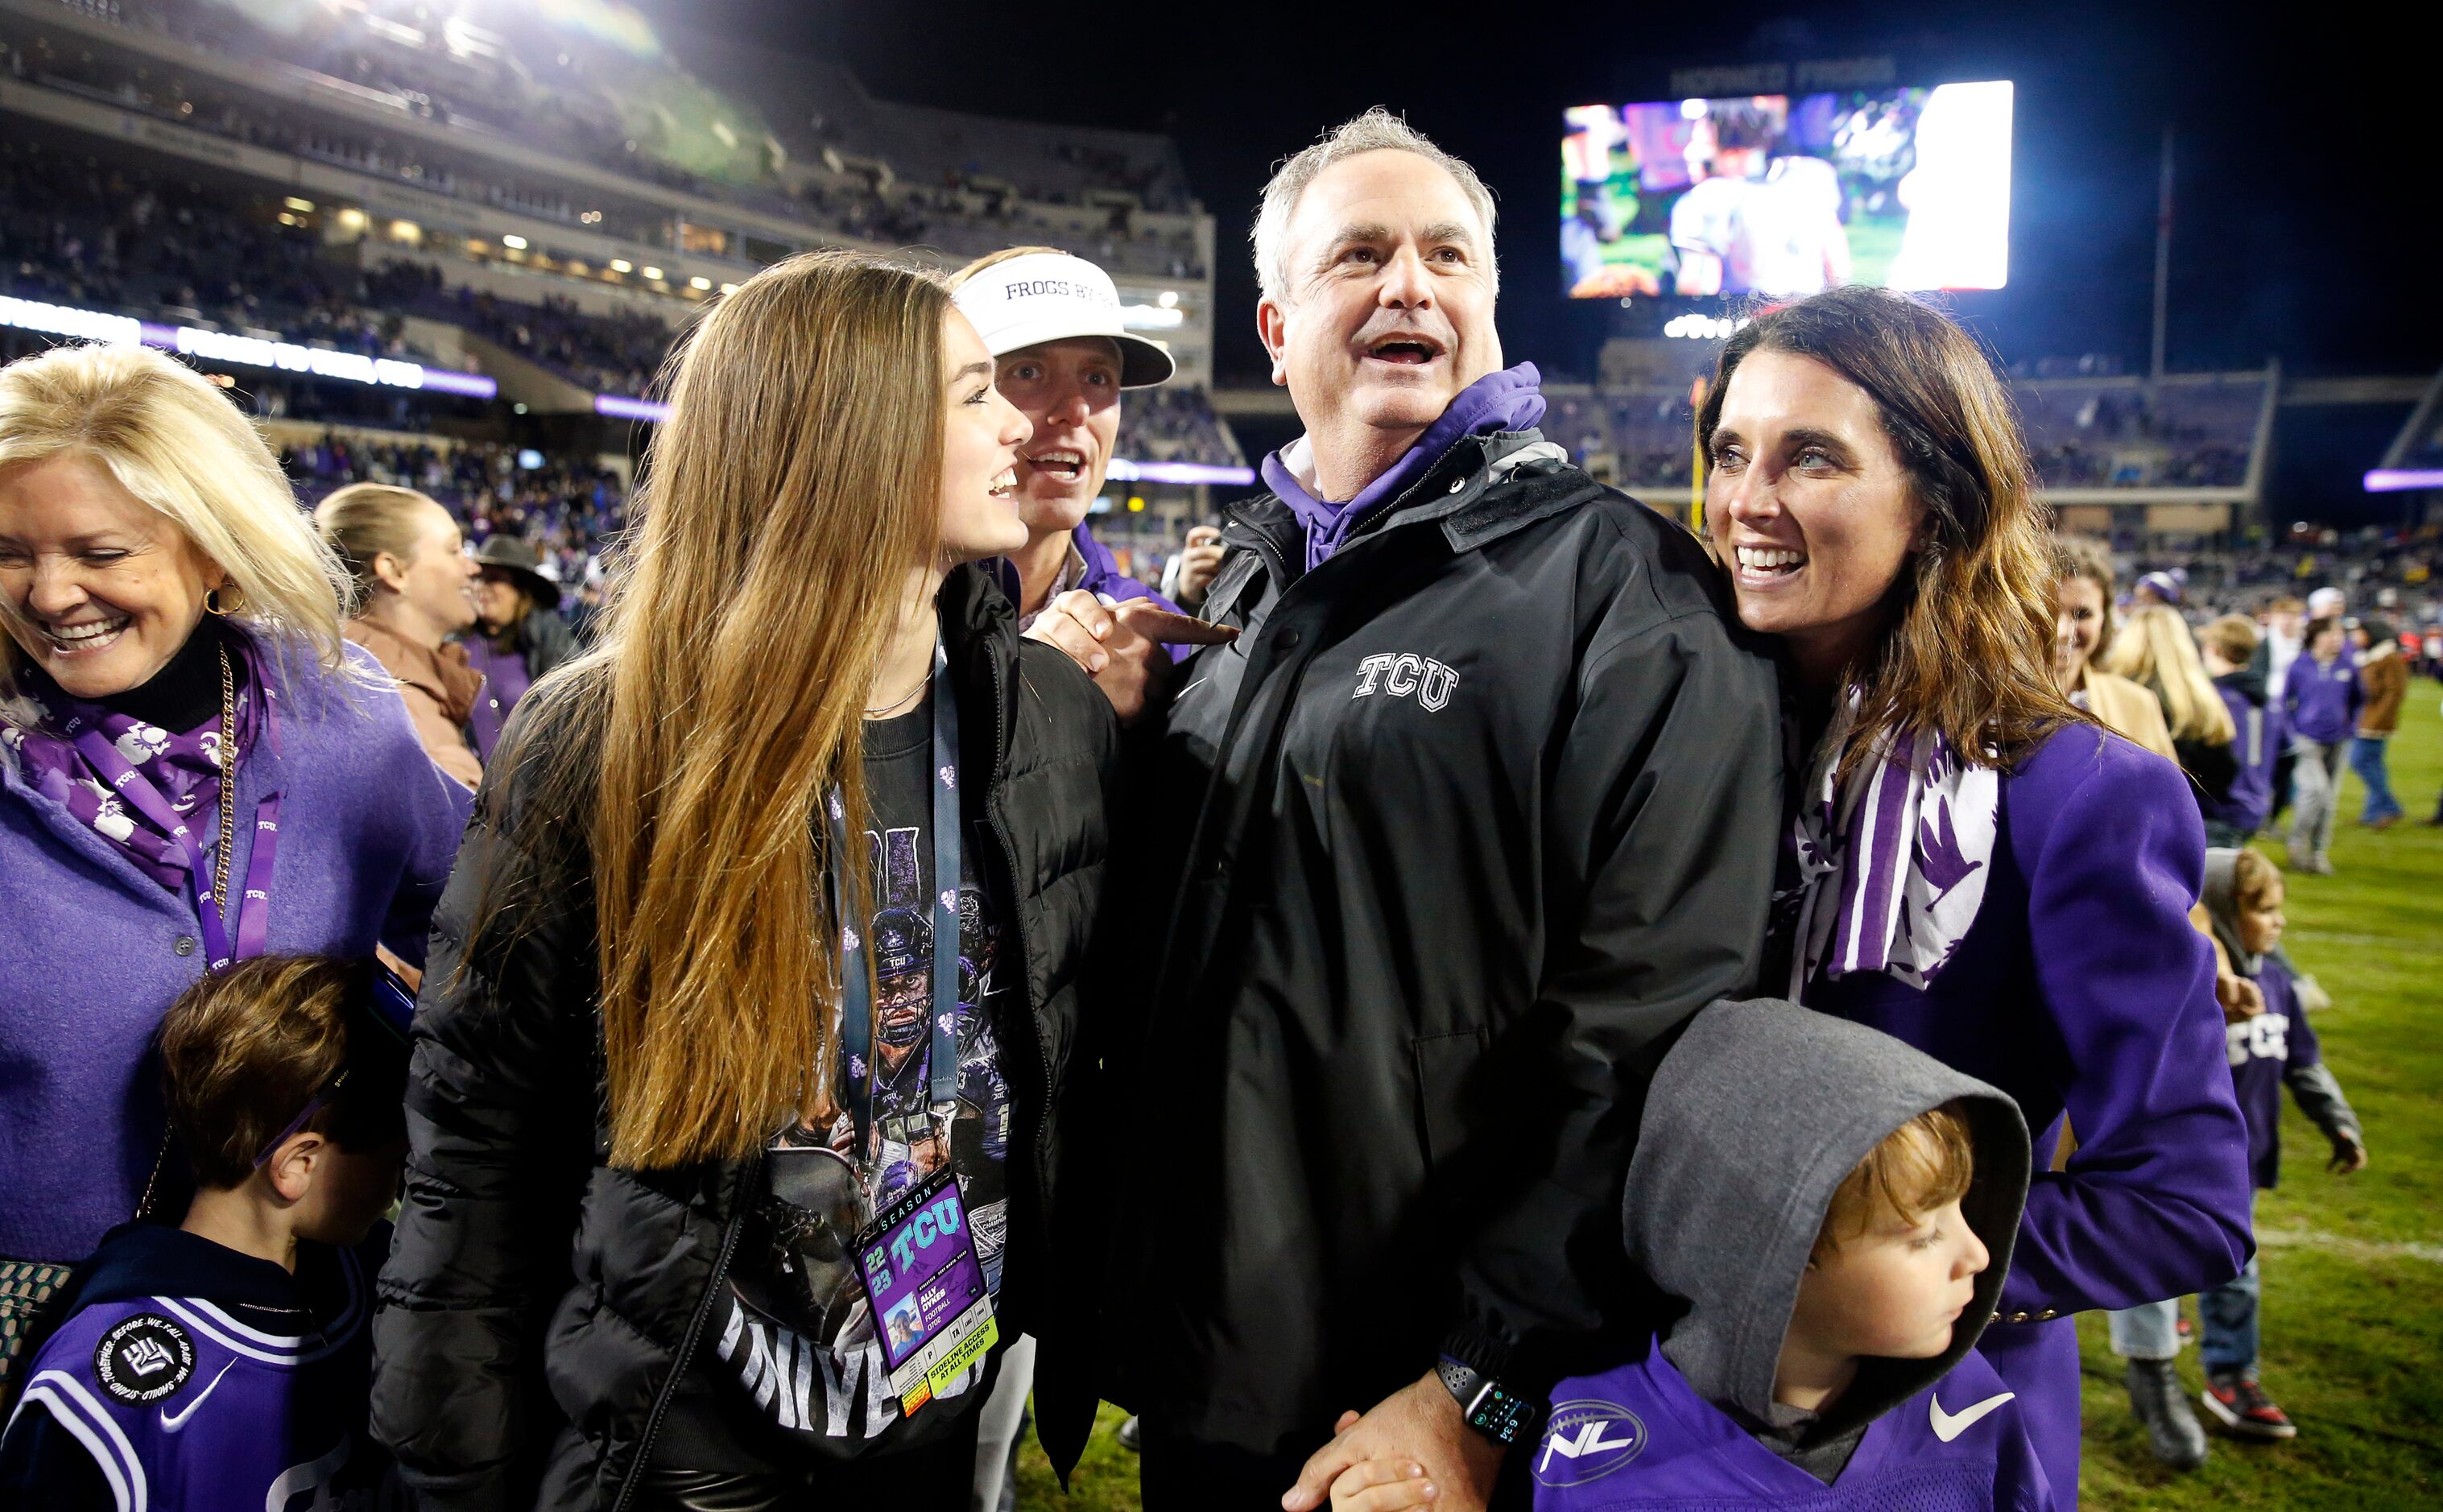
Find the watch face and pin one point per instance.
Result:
(1501, 1416)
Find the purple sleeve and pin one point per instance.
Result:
(2155, 1202)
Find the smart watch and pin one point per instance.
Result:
(1490, 1408)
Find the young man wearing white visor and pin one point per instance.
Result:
(1052, 322)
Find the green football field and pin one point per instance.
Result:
(2352, 1310)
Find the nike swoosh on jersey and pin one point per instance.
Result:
(172, 1421)
(1949, 1426)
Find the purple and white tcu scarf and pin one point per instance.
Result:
(184, 765)
(1892, 864)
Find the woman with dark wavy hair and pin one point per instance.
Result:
(1975, 865)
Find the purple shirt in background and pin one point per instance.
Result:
(2321, 699)
(505, 679)
(2258, 737)
(1508, 400)
(95, 950)
(2082, 989)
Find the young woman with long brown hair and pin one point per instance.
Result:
(767, 929)
(1977, 867)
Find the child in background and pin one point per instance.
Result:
(2229, 648)
(1837, 1209)
(2243, 897)
(223, 1363)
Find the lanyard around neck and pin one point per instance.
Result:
(856, 988)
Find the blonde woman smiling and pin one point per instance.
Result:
(194, 767)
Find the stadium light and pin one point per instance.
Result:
(515, 244)
(620, 264)
(729, 288)
(303, 205)
(240, 351)
(654, 274)
(699, 281)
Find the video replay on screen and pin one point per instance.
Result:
(1782, 195)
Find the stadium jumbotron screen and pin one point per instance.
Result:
(1785, 194)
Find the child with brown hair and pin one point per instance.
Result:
(2268, 1051)
(223, 1363)
(1836, 1211)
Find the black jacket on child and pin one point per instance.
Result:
(542, 1307)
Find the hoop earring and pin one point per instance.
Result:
(213, 604)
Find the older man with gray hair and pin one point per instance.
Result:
(1477, 809)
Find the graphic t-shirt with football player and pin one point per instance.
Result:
(796, 1331)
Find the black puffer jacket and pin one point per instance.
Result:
(537, 1298)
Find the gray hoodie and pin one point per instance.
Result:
(1753, 1122)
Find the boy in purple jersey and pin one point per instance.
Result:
(223, 1363)
(2267, 1050)
(1836, 1210)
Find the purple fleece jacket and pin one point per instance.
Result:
(1511, 399)
(2082, 988)
(92, 951)
(2321, 699)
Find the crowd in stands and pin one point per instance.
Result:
(966, 209)
(569, 510)
(1175, 424)
(127, 241)
(2177, 436)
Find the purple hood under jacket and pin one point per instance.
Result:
(1511, 399)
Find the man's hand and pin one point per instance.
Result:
(2241, 999)
(1121, 647)
(1198, 563)
(1417, 1425)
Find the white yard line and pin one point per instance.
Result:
(2353, 1248)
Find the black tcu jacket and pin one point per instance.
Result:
(537, 1301)
(1463, 826)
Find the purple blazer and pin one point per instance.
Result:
(2083, 990)
(93, 951)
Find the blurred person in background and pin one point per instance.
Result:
(2282, 620)
(195, 767)
(2155, 588)
(2155, 650)
(518, 638)
(2228, 649)
(2083, 626)
(2321, 699)
(1978, 867)
(2384, 677)
(415, 589)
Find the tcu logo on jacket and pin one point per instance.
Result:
(1403, 673)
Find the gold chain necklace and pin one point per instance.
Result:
(229, 788)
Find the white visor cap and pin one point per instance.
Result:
(1053, 297)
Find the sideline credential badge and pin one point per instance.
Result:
(931, 1310)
